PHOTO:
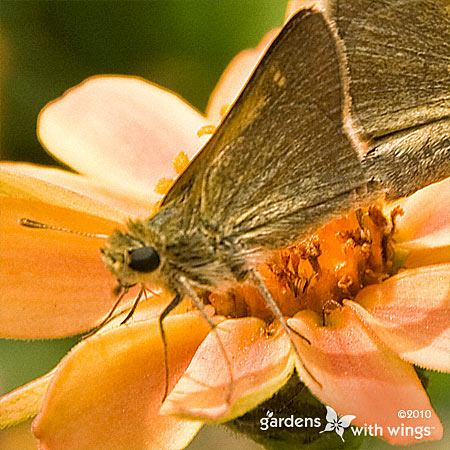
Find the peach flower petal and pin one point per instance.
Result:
(410, 313)
(121, 131)
(427, 212)
(24, 402)
(70, 190)
(235, 77)
(107, 391)
(423, 232)
(53, 284)
(261, 363)
(360, 376)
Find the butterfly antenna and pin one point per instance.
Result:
(30, 223)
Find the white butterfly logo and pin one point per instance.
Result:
(335, 423)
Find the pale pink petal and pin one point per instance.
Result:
(121, 131)
(260, 361)
(358, 375)
(410, 313)
(152, 308)
(423, 231)
(69, 190)
(427, 212)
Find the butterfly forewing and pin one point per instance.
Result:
(280, 161)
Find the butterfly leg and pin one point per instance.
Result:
(190, 292)
(110, 314)
(270, 302)
(135, 303)
(170, 307)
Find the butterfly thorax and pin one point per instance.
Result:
(183, 250)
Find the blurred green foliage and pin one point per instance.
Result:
(50, 46)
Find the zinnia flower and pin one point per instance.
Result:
(365, 297)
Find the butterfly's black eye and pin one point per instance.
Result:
(144, 259)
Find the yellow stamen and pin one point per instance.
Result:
(180, 162)
(207, 129)
(163, 185)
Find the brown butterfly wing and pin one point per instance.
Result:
(280, 164)
(398, 56)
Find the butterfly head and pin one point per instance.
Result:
(134, 256)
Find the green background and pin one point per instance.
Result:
(47, 47)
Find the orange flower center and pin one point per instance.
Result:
(319, 272)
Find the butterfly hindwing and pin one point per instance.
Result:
(398, 57)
